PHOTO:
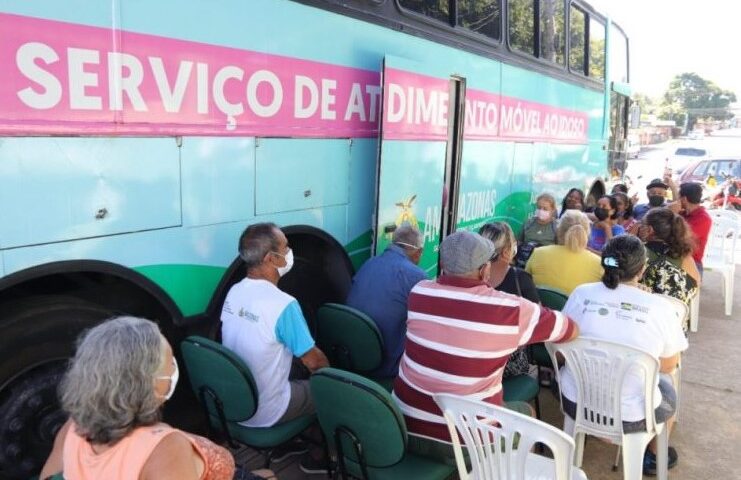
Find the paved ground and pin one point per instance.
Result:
(709, 431)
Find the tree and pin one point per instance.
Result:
(691, 95)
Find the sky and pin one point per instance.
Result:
(668, 37)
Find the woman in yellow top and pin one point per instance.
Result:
(568, 264)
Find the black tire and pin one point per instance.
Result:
(37, 336)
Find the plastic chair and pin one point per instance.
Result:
(365, 427)
(351, 340)
(720, 253)
(522, 388)
(599, 368)
(499, 442)
(227, 392)
(695, 312)
(555, 300)
(683, 313)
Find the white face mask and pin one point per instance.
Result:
(543, 215)
(289, 262)
(514, 251)
(173, 379)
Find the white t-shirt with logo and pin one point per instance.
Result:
(265, 327)
(630, 316)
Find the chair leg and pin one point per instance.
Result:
(695, 313)
(634, 447)
(728, 291)
(662, 454)
(617, 459)
(537, 407)
(579, 440)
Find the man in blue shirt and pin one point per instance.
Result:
(380, 290)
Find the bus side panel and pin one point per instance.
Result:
(363, 156)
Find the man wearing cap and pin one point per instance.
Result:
(460, 333)
(381, 288)
(656, 192)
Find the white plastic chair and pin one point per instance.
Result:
(599, 368)
(490, 433)
(683, 313)
(695, 312)
(720, 253)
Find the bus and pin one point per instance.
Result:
(139, 138)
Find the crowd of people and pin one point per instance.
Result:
(460, 333)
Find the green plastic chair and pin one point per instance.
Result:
(522, 388)
(351, 340)
(366, 429)
(226, 389)
(555, 300)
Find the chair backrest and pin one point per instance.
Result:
(499, 441)
(352, 409)
(349, 338)
(552, 297)
(721, 246)
(599, 368)
(216, 372)
(681, 309)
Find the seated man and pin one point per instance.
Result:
(265, 327)
(380, 290)
(460, 333)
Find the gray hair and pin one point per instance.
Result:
(257, 241)
(407, 235)
(108, 390)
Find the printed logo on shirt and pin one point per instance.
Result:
(248, 315)
(227, 308)
(603, 311)
(633, 307)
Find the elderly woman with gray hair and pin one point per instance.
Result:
(122, 373)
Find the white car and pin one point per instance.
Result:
(696, 135)
(683, 156)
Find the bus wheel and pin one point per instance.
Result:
(37, 336)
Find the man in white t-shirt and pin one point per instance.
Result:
(265, 327)
(619, 310)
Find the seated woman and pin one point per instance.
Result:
(646, 326)
(121, 375)
(625, 216)
(606, 225)
(569, 264)
(669, 242)
(574, 200)
(541, 227)
(509, 279)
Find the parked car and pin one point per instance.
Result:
(700, 170)
(634, 146)
(683, 156)
(696, 135)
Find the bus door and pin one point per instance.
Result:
(416, 178)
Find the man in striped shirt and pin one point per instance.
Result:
(460, 333)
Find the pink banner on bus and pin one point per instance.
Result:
(416, 108)
(62, 78)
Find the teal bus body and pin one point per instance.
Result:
(207, 189)
(139, 138)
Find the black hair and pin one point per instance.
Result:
(563, 202)
(692, 191)
(671, 229)
(623, 259)
(620, 187)
(613, 205)
(628, 204)
(256, 241)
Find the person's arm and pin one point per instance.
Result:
(527, 286)
(314, 359)
(689, 266)
(54, 464)
(544, 325)
(173, 459)
(672, 186)
(669, 364)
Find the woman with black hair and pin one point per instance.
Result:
(669, 243)
(574, 200)
(625, 216)
(619, 309)
(607, 225)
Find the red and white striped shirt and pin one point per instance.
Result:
(460, 334)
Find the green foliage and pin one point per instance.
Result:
(691, 96)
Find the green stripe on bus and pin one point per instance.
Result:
(189, 286)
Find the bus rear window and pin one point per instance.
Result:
(480, 16)
(437, 9)
(552, 32)
(522, 25)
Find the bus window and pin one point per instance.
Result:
(596, 49)
(552, 33)
(577, 33)
(480, 16)
(437, 9)
(522, 25)
(618, 55)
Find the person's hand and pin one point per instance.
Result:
(634, 199)
(675, 207)
(633, 230)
